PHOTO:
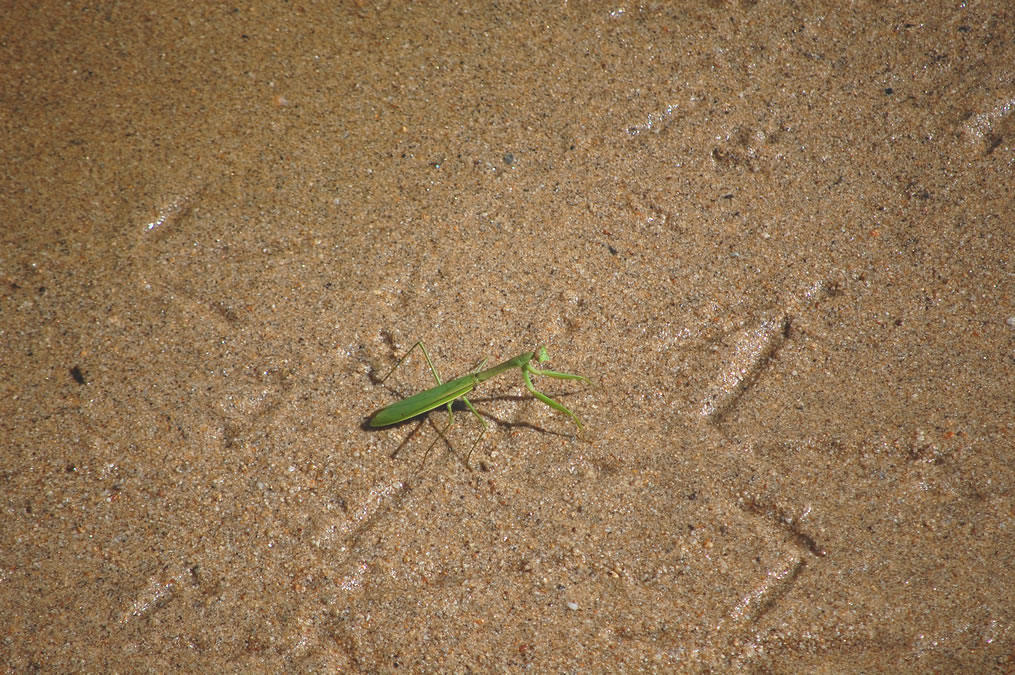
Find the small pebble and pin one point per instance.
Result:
(573, 606)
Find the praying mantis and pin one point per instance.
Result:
(446, 393)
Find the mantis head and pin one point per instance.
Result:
(542, 355)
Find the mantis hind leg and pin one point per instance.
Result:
(426, 356)
(451, 421)
(451, 414)
(436, 376)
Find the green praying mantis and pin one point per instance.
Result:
(445, 393)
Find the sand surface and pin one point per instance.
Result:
(777, 237)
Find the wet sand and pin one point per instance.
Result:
(778, 239)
